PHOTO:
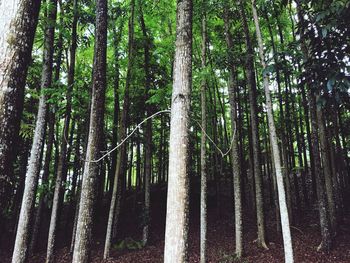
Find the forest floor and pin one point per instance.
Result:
(306, 237)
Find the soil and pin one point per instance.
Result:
(305, 235)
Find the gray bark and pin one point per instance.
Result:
(83, 236)
(148, 135)
(21, 242)
(204, 179)
(116, 194)
(287, 239)
(236, 166)
(255, 131)
(176, 230)
(61, 169)
(18, 21)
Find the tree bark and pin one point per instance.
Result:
(89, 184)
(203, 172)
(176, 230)
(287, 239)
(17, 29)
(117, 188)
(61, 169)
(21, 242)
(254, 130)
(148, 132)
(236, 166)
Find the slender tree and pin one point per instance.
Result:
(254, 129)
(204, 179)
(116, 194)
(61, 169)
(89, 184)
(236, 166)
(176, 231)
(23, 230)
(148, 132)
(287, 239)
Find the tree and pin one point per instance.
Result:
(23, 230)
(17, 29)
(236, 166)
(176, 230)
(62, 163)
(204, 179)
(254, 129)
(287, 239)
(89, 184)
(116, 194)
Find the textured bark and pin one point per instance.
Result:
(326, 168)
(287, 239)
(116, 113)
(319, 181)
(18, 21)
(236, 166)
(21, 242)
(45, 177)
(254, 130)
(203, 172)
(283, 144)
(117, 187)
(89, 184)
(321, 188)
(148, 132)
(176, 230)
(62, 163)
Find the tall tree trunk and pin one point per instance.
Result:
(254, 130)
(119, 171)
(287, 239)
(314, 145)
(21, 242)
(327, 172)
(116, 113)
(45, 180)
(89, 184)
(148, 132)
(17, 29)
(62, 163)
(176, 230)
(203, 172)
(236, 166)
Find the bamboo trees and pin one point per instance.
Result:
(287, 240)
(89, 183)
(178, 182)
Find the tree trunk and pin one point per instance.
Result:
(254, 130)
(287, 239)
(64, 141)
(116, 194)
(17, 29)
(21, 242)
(148, 132)
(203, 172)
(89, 185)
(236, 166)
(45, 180)
(176, 231)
